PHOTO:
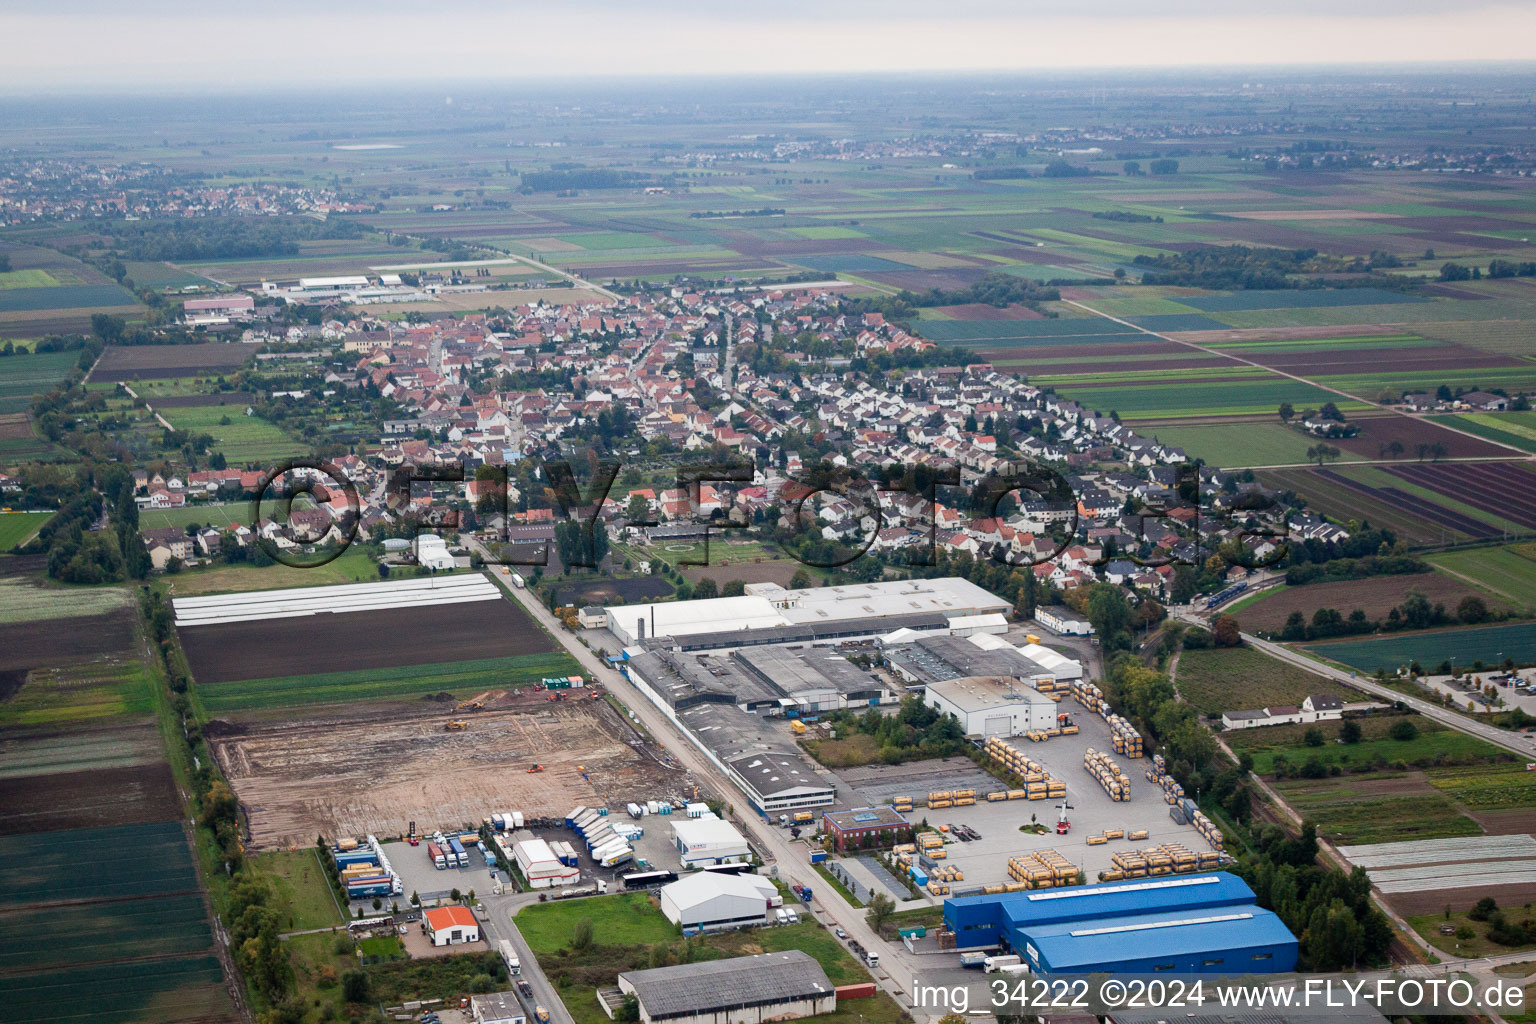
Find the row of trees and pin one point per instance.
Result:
(1415, 612)
(1330, 912)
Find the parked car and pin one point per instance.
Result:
(841, 934)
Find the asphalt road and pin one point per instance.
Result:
(897, 965)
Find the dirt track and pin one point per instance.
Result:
(376, 771)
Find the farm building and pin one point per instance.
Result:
(1063, 620)
(708, 841)
(539, 865)
(1320, 707)
(497, 1008)
(1194, 924)
(741, 990)
(992, 705)
(711, 901)
(448, 926)
(770, 614)
(865, 827)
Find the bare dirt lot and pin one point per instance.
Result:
(1431, 901)
(142, 362)
(27, 645)
(349, 642)
(378, 769)
(88, 799)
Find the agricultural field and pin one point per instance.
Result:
(1508, 428)
(1376, 596)
(1237, 679)
(1490, 645)
(358, 646)
(22, 376)
(1378, 807)
(1509, 571)
(1505, 492)
(1374, 495)
(146, 362)
(137, 937)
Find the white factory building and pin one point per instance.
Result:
(708, 840)
(539, 864)
(711, 901)
(992, 705)
(768, 613)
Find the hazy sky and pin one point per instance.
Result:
(74, 45)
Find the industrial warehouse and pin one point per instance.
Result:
(742, 990)
(1192, 925)
(713, 901)
(769, 614)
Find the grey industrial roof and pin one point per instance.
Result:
(715, 985)
(797, 670)
(771, 772)
(935, 658)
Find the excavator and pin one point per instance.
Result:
(469, 705)
(456, 724)
(536, 768)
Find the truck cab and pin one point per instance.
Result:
(871, 959)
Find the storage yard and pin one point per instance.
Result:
(375, 769)
(1130, 835)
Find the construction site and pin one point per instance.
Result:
(377, 769)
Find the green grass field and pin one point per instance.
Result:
(384, 684)
(303, 893)
(17, 528)
(626, 927)
(353, 565)
(1237, 679)
(1488, 644)
(1254, 443)
(1509, 571)
(244, 439)
(1434, 744)
(220, 515)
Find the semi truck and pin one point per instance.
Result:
(998, 961)
(514, 968)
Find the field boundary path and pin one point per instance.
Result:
(1520, 454)
(897, 965)
(1488, 733)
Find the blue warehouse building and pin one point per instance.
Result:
(1186, 924)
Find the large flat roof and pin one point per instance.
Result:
(982, 693)
(1069, 945)
(950, 597)
(717, 985)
